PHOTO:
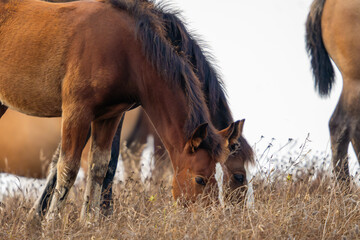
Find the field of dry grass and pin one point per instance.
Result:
(305, 206)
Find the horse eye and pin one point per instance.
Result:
(240, 178)
(200, 180)
(234, 147)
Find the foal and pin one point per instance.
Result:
(89, 62)
(240, 151)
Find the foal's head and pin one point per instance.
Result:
(241, 156)
(195, 169)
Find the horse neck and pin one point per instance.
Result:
(168, 110)
(220, 115)
(217, 104)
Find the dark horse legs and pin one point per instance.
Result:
(340, 131)
(106, 191)
(41, 205)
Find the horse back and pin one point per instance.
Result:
(50, 50)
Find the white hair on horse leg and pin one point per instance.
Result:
(250, 200)
(120, 170)
(147, 159)
(219, 176)
(80, 176)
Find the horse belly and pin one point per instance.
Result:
(32, 57)
(30, 81)
(31, 98)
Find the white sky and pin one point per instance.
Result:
(260, 48)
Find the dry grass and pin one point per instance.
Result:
(293, 210)
(305, 205)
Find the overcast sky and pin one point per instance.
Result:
(260, 50)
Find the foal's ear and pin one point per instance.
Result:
(233, 132)
(198, 136)
(241, 126)
(238, 128)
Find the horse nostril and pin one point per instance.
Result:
(240, 178)
(200, 180)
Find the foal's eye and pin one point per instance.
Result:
(234, 147)
(200, 180)
(240, 178)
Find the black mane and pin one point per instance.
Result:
(213, 86)
(175, 69)
(188, 46)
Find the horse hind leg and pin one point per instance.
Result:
(340, 138)
(106, 191)
(355, 138)
(100, 149)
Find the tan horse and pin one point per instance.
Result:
(89, 62)
(27, 143)
(332, 29)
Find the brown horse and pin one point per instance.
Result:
(332, 29)
(241, 152)
(187, 45)
(89, 62)
(28, 143)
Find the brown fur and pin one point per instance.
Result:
(85, 61)
(340, 34)
(27, 143)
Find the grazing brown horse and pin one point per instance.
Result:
(89, 62)
(241, 152)
(332, 30)
(221, 117)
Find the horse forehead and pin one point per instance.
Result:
(202, 164)
(235, 161)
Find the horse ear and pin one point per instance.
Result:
(241, 126)
(238, 129)
(233, 132)
(227, 132)
(198, 136)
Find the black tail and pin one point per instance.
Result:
(321, 65)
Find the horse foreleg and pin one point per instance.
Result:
(340, 139)
(3, 109)
(106, 191)
(103, 132)
(42, 203)
(75, 126)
